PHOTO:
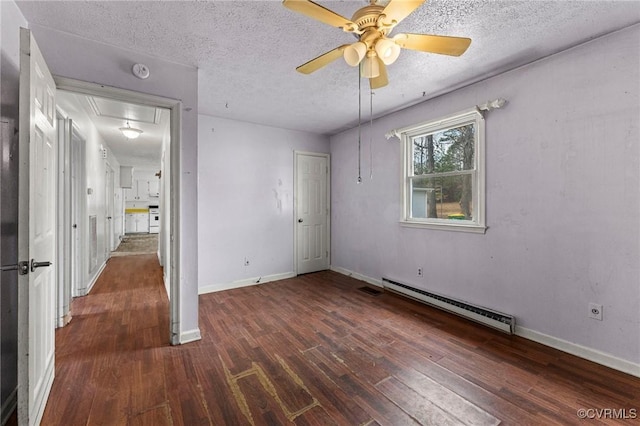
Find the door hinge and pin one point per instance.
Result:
(327, 253)
(9, 268)
(23, 267)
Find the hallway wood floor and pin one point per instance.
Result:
(311, 350)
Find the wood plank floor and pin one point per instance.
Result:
(311, 350)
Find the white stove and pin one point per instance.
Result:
(154, 219)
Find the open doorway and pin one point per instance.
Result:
(37, 228)
(122, 175)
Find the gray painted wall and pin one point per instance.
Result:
(563, 204)
(245, 199)
(11, 19)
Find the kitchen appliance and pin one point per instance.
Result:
(154, 219)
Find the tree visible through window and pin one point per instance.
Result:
(443, 175)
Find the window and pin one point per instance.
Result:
(443, 173)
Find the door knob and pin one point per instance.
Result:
(35, 264)
(299, 220)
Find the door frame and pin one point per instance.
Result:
(109, 193)
(175, 129)
(78, 176)
(65, 220)
(296, 155)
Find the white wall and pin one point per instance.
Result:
(75, 57)
(245, 200)
(95, 169)
(563, 204)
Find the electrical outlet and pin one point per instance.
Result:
(419, 272)
(595, 311)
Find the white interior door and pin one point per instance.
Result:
(78, 206)
(36, 231)
(312, 212)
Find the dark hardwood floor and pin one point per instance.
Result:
(311, 350)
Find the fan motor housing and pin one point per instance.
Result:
(367, 17)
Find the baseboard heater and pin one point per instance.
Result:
(497, 320)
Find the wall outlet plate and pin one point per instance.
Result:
(595, 311)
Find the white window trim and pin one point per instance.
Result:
(479, 193)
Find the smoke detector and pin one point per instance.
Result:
(141, 71)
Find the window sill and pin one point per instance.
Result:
(446, 226)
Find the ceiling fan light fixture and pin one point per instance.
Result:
(370, 67)
(387, 50)
(130, 132)
(354, 53)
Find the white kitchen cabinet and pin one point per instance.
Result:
(130, 194)
(139, 191)
(136, 223)
(154, 187)
(142, 222)
(129, 223)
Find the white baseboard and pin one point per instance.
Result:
(594, 355)
(190, 336)
(245, 283)
(580, 351)
(87, 290)
(357, 276)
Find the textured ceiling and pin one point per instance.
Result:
(108, 116)
(247, 51)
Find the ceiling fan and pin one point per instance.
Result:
(375, 49)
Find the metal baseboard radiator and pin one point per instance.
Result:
(497, 320)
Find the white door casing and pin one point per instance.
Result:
(311, 212)
(36, 231)
(64, 236)
(172, 189)
(109, 211)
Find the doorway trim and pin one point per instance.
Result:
(175, 107)
(109, 208)
(64, 220)
(296, 155)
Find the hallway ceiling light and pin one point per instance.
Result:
(130, 132)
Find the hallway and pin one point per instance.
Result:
(110, 359)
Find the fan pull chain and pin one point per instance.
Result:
(359, 125)
(371, 134)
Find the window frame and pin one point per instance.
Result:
(471, 116)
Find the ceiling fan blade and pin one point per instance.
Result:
(322, 60)
(320, 13)
(381, 80)
(397, 10)
(444, 45)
